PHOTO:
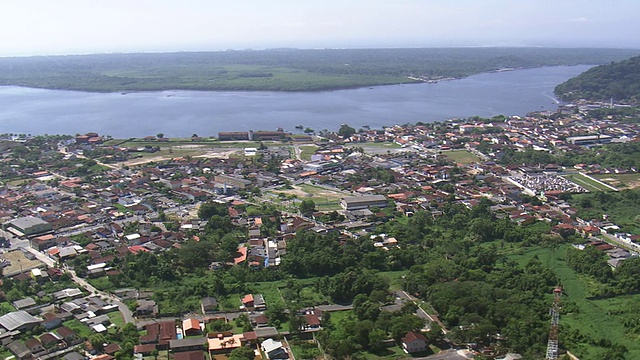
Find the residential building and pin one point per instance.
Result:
(414, 342)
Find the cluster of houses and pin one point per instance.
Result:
(37, 330)
(120, 212)
(49, 213)
(186, 340)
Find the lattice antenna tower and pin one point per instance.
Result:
(552, 345)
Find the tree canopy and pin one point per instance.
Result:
(619, 81)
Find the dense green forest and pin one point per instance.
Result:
(618, 81)
(280, 69)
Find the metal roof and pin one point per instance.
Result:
(16, 319)
(27, 221)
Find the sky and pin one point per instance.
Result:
(47, 27)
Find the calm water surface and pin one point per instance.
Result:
(183, 113)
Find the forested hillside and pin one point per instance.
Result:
(618, 81)
(281, 69)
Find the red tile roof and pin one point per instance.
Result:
(412, 336)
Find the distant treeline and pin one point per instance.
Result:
(618, 81)
(280, 69)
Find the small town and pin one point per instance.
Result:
(243, 245)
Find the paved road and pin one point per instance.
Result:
(127, 315)
(450, 354)
(334, 307)
(421, 313)
(615, 241)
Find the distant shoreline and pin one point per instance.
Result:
(282, 70)
(239, 89)
(407, 81)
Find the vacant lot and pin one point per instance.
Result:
(620, 181)
(461, 156)
(19, 263)
(325, 198)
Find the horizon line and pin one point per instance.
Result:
(151, 52)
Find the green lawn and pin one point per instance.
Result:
(461, 156)
(620, 181)
(307, 151)
(230, 303)
(270, 292)
(595, 318)
(304, 349)
(394, 352)
(5, 307)
(338, 317)
(4, 353)
(585, 182)
(116, 319)
(82, 330)
(308, 295)
(277, 293)
(103, 283)
(394, 278)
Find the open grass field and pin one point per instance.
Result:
(620, 181)
(277, 293)
(394, 278)
(597, 318)
(116, 319)
(270, 292)
(461, 156)
(377, 147)
(82, 330)
(306, 152)
(585, 182)
(230, 302)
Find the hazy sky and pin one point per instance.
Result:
(29, 27)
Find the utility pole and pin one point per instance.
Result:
(552, 345)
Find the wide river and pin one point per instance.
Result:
(183, 113)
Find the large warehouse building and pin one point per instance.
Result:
(363, 202)
(28, 226)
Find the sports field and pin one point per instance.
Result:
(461, 156)
(585, 182)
